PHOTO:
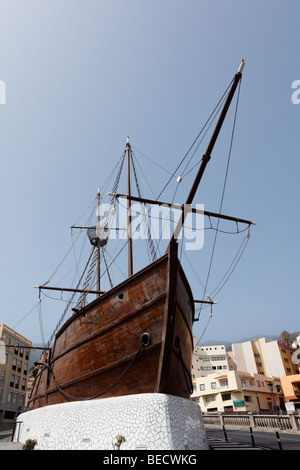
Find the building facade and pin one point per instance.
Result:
(237, 391)
(14, 371)
(208, 360)
(291, 390)
(265, 357)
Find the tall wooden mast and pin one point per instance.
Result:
(98, 245)
(129, 234)
(207, 155)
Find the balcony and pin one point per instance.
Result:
(222, 388)
(248, 386)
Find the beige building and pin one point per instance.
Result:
(237, 391)
(265, 357)
(14, 370)
(291, 389)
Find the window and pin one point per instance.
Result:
(226, 396)
(12, 380)
(224, 383)
(248, 399)
(22, 400)
(17, 381)
(202, 387)
(14, 364)
(213, 384)
(205, 359)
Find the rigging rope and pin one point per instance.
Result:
(178, 166)
(107, 270)
(216, 290)
(26, 315)
(150, 241)
(70, 301)
(185, 156)
(142, 346)
(223, 193)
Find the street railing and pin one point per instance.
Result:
(254, 420)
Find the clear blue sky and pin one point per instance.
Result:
(82, 75)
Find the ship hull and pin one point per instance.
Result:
(136, 338)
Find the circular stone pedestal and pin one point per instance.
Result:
(151, 421)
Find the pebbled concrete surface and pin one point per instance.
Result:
(6, 444)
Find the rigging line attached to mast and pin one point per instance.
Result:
(207, 155)
(215, 291)
(216, 111)
(192, 145)
(185, 156)
(224, 186)
(56, 269)
(26, 315)
(152, 249)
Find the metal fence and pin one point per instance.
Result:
(6, 429)
(268, 420)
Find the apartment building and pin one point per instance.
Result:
(291, 389)
(237, 391)
(265, 357)
(14, 370)
(209, 359)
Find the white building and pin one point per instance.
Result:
(265, 357)
(209, 359)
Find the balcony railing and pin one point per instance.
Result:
(248, 386)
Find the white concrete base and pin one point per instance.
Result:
(150, 421)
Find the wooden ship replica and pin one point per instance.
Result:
(136, 337)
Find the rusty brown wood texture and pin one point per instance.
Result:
(95, 346)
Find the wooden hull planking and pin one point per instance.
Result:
(96, 345)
